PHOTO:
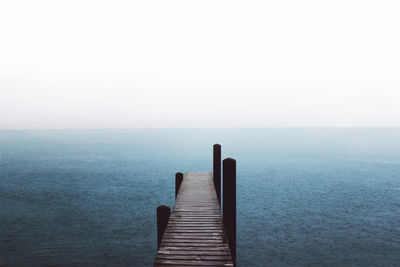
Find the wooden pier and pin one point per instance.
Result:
(195, 233)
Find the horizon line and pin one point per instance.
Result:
(188, 128)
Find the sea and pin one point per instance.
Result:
(305, 196)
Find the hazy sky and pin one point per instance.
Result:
(128, 64)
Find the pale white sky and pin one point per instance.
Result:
(128, 64)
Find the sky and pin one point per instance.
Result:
(194, 64)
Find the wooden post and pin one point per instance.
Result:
(229, 203)
(178, 181)
(217, 170)
(163, 213)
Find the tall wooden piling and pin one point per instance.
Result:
(178, 181)
(229, 203)
(217, 170)
(163, 213)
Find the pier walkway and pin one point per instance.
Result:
(195, 235)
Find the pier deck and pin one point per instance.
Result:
(194, 235)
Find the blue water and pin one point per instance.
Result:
(306, 197)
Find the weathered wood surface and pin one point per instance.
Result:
(194, 235)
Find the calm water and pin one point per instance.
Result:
(306, 197)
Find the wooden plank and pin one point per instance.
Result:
(193, 252)
(192, 231)
(193, 262)
(196, 257)
(195, 235)
(220, 249)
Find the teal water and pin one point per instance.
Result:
(305, 196)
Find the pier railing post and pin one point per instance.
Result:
(178, 181)
(217, 170)
(229, 203)
(163, 213)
